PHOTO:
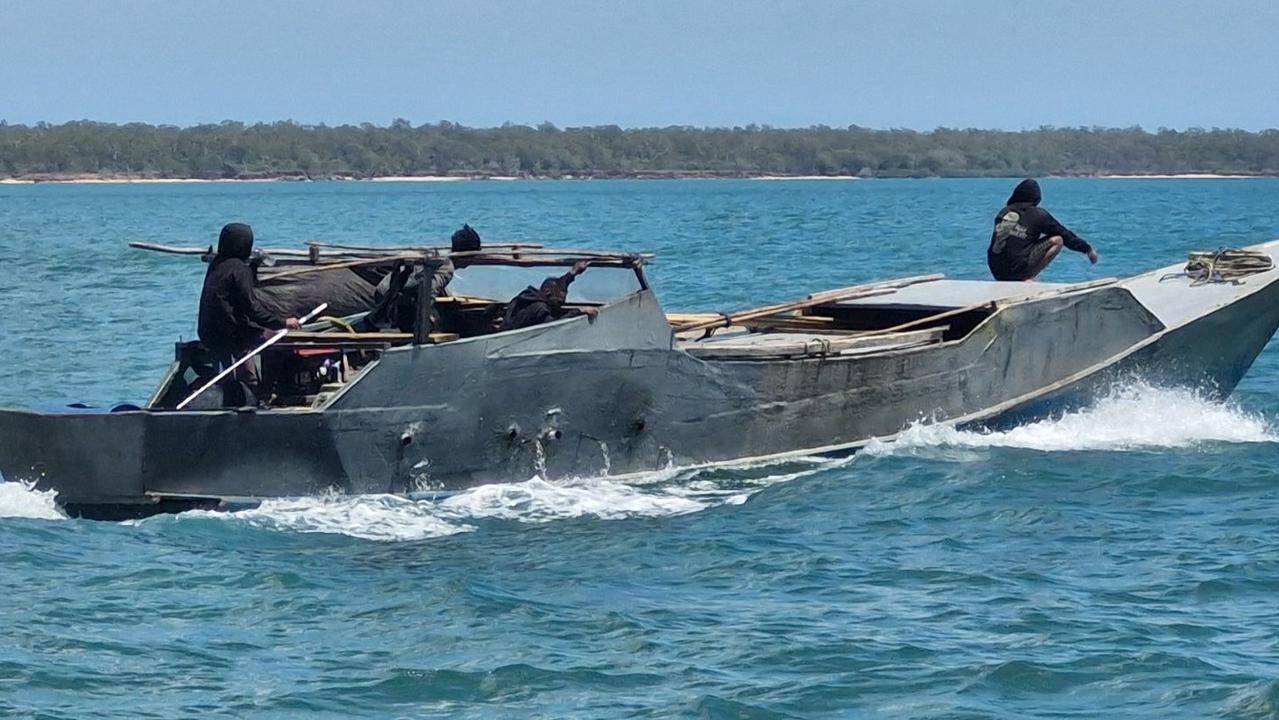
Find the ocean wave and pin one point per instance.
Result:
(1136, 416)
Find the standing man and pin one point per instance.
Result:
(232, 322)
(1027, 237)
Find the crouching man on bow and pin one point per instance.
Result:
(1027, 237)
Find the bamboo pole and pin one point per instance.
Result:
(372, 248)
(364, 262)
(489, 255)
(488, 249)
(410, 248)
(171, 249)
(208, 250)
(614, 261)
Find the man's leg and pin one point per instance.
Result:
(244, 386)
(1050, 253)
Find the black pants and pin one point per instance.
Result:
(243, 387)
(1017, 262)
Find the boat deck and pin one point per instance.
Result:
(942, 294)
(1175, 299)
(743, 345)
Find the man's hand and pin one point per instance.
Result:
(580, 266)
(1092, 256)
(591, 313)
(292, 324)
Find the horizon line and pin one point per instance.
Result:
(551, 126)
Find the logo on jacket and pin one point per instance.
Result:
(1009, 226)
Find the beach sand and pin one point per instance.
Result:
(1181, 176)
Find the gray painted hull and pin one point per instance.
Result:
(617, 396)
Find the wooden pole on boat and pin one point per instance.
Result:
(270, 341)
(208, 250)
(849, 293)
(344, 265)
(411, 248)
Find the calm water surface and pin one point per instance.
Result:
(1121, 560)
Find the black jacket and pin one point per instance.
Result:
(1021, 224)
(231, 319)
(533, 307)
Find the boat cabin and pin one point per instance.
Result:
(379, 299)
(385, 298)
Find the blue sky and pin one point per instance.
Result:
(885, 64)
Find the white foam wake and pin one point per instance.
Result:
(533, 501)
(369, 517)
(1132, 417)
(22, 500)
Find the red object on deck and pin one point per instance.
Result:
(314, 352)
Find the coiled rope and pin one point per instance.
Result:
(1226, 265)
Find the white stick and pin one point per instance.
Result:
(271, 341)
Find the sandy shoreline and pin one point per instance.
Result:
(96, 180)
(90, 180)
(1182, 176)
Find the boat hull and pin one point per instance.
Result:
(617, 396)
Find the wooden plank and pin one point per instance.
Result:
(689, 318)
(783, 323)
(464, 300)
(783, 345)
(849, 293)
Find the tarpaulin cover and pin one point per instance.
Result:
(345, 291)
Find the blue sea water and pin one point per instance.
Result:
(1120, 560)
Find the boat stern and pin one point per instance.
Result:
(92, 457)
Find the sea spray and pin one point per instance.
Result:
(608, 461)
(22, 500)
(394, 518)
(1135, 416)
(367, 517)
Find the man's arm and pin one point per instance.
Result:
(578, 268)
(1071, 240)
(244, 302)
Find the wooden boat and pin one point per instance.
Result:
(446, 401)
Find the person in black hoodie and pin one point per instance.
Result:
(232, 322)
(1027, 237)
(537, 305)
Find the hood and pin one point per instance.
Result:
(465, 239)
(529, 296)
(1027, 191)
(236, 240)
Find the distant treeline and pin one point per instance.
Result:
(286, 149)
